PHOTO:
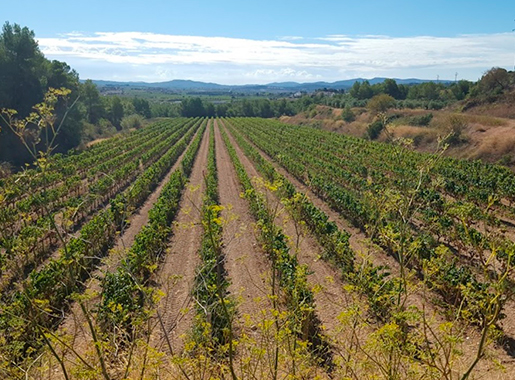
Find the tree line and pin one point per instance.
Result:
(196, 106)
(493, 84)
(26, 75)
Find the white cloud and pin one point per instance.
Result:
(291, 38)
(235, 60)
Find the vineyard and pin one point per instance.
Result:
(245, 248)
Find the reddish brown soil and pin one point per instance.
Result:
(176, 277)
(245, 262)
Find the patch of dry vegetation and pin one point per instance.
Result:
(497, 144)
(485, 120)
(421, 136)
(500, 108)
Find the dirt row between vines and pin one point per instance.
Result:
(74, 324)
(97, 207)
(176, 276)
(246, 263)
(364, 248)
(55, 248)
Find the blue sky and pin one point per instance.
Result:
(235, 42)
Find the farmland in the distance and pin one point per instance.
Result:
(246, 248)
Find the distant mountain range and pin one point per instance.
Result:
(189, 85)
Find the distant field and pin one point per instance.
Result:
(168, 95)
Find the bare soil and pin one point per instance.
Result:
(245, 261)
(248, 269)
(176, 276)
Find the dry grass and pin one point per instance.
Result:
(422, 136)
(337, 112)
(496, 144)
(485, 120)
(505, 109)
(329, 119)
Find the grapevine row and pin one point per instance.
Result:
(213, 325)
(38, 237)
(372, 280)
(45, 295)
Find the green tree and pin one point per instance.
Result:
(429, 90)
(354, 91)
(389, 87)
(461, 89)
(365, 91)
(25, 75)
(21, 69)
(210, 109)
(142, 107)
(164, 110)
(495, 80)
(116, 112)
(282, 107)
(60, 75)
(192, 107)
(348, 115)
(265, 109)
(221, 110)
(247, 108)
(92, 102)
(380, 103)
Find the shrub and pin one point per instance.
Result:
(435, 105)
(420, 121)
(505, 160)
(375, 129)
(132, 121)
(381, 103)
(348, 115)
(455, 125)
(102, 129)
(5, 169)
